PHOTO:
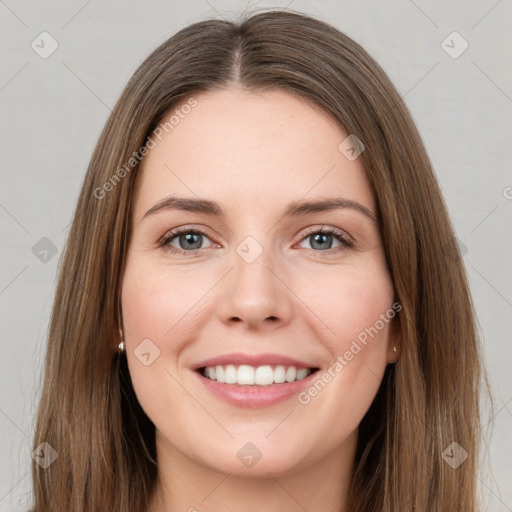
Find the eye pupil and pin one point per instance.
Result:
(321, 238)
(190, 238)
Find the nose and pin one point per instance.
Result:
(255, 295)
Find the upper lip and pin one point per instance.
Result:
(239, 358)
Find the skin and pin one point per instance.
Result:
(253, 153)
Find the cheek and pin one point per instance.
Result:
(152, 307)
(357, 308)
(351, 306)
(156, 301)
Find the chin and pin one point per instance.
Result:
(245, 458)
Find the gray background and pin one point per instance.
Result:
(53, 109)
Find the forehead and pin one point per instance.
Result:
(250, 149)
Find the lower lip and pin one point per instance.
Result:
(255, 396)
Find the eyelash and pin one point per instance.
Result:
(344, 239)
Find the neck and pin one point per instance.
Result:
(185, 485)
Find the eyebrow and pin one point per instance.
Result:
(292, 209)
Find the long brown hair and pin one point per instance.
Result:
(88, 411)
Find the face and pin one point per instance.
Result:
(255, 286)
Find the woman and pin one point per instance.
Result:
(314, 347)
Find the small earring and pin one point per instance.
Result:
(122, 346)
(394, 348)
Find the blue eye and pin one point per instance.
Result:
(321, 239)
(190, 241)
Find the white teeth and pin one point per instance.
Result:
(279, 374)
(264, 376)
(245, 375)
(301, 373)
(210, 372)
(230, 375)
(291, 374)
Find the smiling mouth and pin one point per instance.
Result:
(246, 375)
